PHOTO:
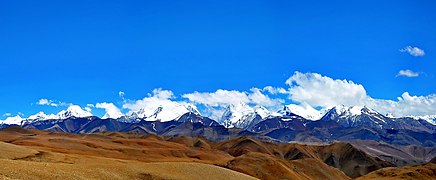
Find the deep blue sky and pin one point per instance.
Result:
(87, 51)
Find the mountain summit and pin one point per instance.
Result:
(243, 116)
(162, 113)
(355, 116)
(73, 111)
(303, 110)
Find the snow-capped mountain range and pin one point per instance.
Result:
(161, 113)
(338, 123)
(235, 116)
(71, 111)
(355, 116)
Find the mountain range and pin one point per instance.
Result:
(340, 123)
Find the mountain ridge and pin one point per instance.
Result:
(340, 123)
(235, 116)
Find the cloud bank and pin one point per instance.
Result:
(325, 92)
(322, 91)
(307, 92)
(225, 97)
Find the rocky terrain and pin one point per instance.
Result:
(117, 155)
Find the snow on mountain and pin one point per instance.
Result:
(112, 115)
(243, 116)
(355, 116)
(13, 120)
(112, 111)
(390, 115)
(41, 116)
(262, 111)
(344, 111)
(73, 111)
(304, 110)
(163, 113)
(429, 118)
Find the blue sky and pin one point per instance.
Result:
(85, 52)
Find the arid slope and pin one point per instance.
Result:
(43, 155)
(425, 171)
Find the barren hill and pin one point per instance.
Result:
(130, 155)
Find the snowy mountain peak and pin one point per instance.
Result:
(339, 109)
(429, 118)
(112, 115)
(344, 111)
(38, 116)
(166, 112)
(242, 115)
(355, 116)
(73, 111)
(193, 109)
(262, 111)
(304, 110)
(41, 116)
(156, 112)
(13, 120)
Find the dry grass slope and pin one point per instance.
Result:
(106, 168)
(426, 171)
(44, 155)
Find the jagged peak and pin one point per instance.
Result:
(41, 116)
(342, 110)
(241, 115)
(162, 112)
(73, 111)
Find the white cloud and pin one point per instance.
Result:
(111, 110)
(158, 98)
(89, 107)
(405, 105)
(226, 97)
(44, 102)
(414, 51)
(7, 114)
(322, 91)
(162, 94)
(275, 90)
(325, 92)
(407, 73)
(218, 98)
(214, 112)
(258, 98)
(54, 103)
